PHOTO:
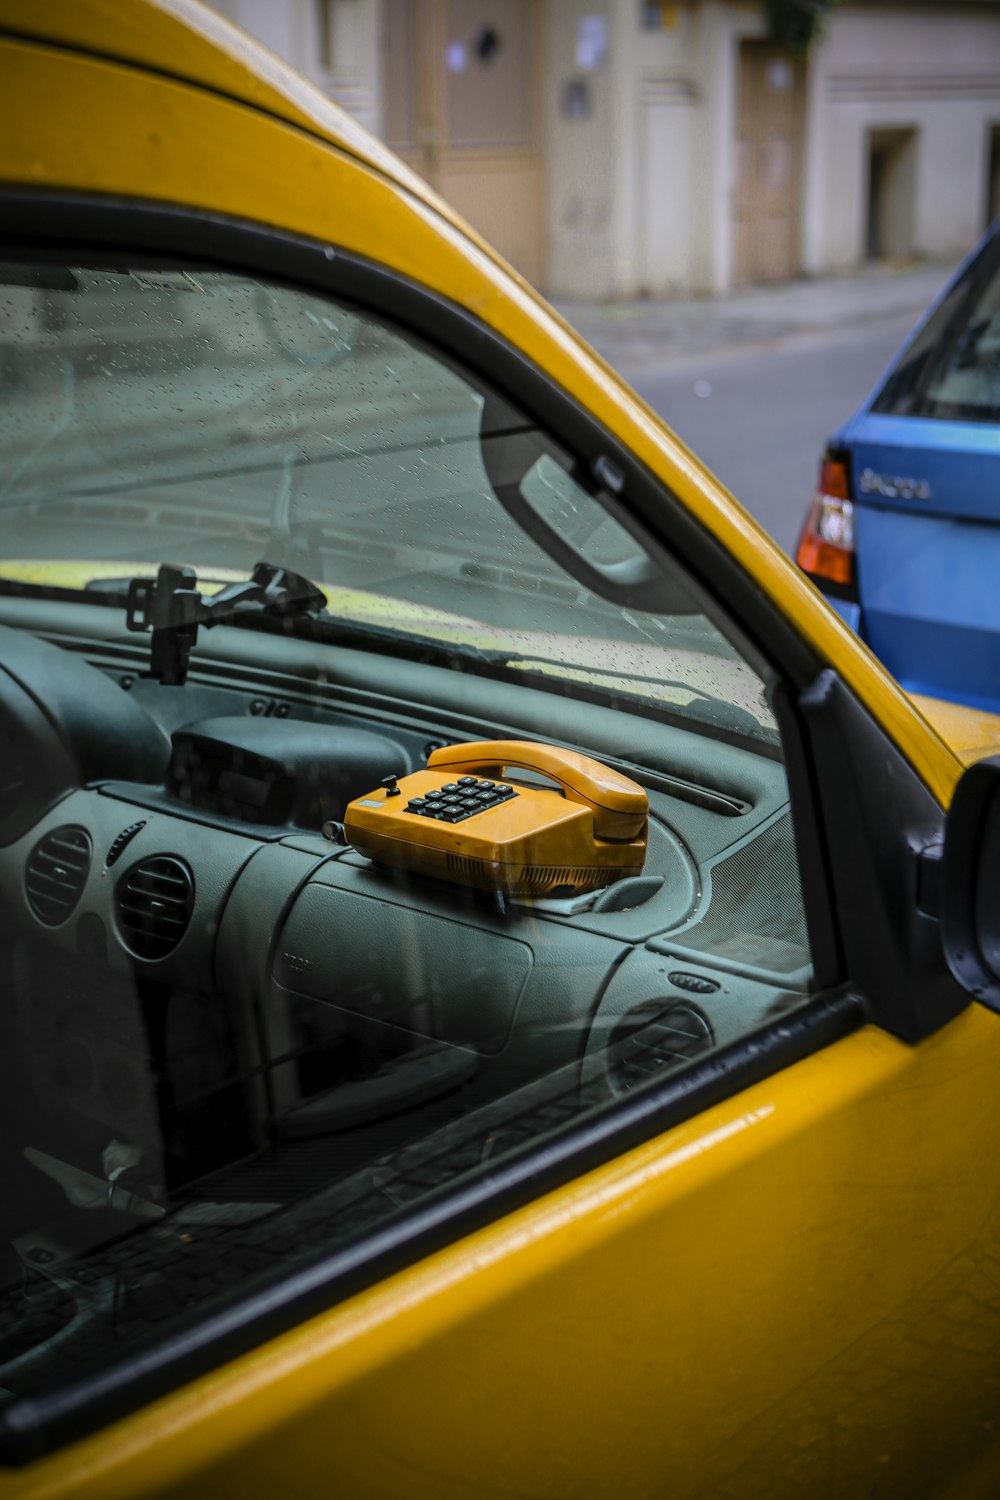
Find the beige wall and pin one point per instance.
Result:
(582, 175)
(934, 71)
(673, 158)
(291, 28)
(637, 191)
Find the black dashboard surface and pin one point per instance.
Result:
(234, 1034)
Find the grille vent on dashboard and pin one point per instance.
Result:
(55, 874)
(155, 899)
(757, 914)
(532, 880)
(654, 1037)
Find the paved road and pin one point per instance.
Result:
(759, 418)
(755, 382)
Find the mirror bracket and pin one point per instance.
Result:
(930, 864)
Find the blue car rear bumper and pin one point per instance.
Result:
(930, 591)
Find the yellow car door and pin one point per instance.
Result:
(662, 1173)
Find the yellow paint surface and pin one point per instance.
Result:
(794, 1294)
(776, 1299)
(972, 733)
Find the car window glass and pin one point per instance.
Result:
(199, 417)
(395, 888)
(951, 371)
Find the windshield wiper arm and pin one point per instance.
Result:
(173, 608)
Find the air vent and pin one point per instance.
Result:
(155, 899)
(530, 880)
(55, 874)
(653, 1038)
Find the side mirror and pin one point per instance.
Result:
(970, 892)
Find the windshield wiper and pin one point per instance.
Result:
(510, 664)
(711, 709)
(173, 608)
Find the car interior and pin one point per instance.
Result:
(356, 838)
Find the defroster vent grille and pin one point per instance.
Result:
(528, 880)
(55, 873)
(155, 900)
(654, 1037)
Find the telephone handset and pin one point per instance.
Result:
(620, 806)
(459, 820)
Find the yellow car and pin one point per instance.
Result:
(498, 988)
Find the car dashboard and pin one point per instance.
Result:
(239, 1041)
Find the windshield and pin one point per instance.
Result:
(200, 418)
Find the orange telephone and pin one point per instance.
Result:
(460, 820)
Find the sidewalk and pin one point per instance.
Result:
(645, 334)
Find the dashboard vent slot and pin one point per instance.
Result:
(154, 903)
(55, 874)
(653, 1038)
(757, 913)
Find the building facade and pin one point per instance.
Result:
(616, 148)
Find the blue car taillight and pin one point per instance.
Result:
(826, 545)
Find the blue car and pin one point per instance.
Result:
(903, 533)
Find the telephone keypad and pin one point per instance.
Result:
(460, 799)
